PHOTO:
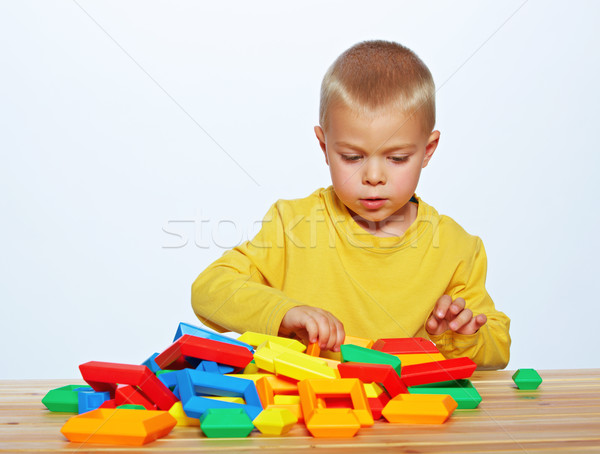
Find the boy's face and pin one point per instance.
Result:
(375, 164)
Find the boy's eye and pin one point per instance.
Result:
(399, 158)
(350, 157)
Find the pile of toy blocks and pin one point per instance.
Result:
(228, 387)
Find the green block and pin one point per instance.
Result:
(132, 406)
(63, 399)
(462, 391)
(527, 379)
(160, 372)
(357, 354)
(226, 423)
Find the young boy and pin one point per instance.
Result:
(365, 256)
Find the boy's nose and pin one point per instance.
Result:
(373, 172)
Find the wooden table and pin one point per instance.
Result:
(562, 415)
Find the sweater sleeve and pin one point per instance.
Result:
(489, 347)
(241, 290)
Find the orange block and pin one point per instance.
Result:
(367, 343)
(419, 409)
(313, 349)
(118, 426)
(334, 422)
(268, 387)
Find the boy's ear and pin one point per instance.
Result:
(432, 143)
(321, 138)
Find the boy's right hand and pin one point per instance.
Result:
(312, 324)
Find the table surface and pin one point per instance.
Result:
(563, 414)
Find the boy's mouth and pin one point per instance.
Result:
(372, 202)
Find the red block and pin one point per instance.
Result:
(109, 404)
(383, 374)
(127, 394)
(104, 377)
(377, 404)
(205, 349)
(437, 371)
(405, 345)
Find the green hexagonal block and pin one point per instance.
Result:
(226, 423)
(357, 354)
(527, 379)
(132, 406)
(63, 399)
(462, 391)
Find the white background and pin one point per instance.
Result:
(120, 120)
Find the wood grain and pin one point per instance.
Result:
(562, 415)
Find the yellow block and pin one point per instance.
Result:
(182, 419)
(255, 339)
(275, 421)
(264, 358)
(419, 409)
(419, 358)
(281, 349)
(281, 399)
(299, 368)
(253, 377)
(233, 400)
(373, 390)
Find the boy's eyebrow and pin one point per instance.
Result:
(385, 150)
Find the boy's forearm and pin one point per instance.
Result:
(489, 348)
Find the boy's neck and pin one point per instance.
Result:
(394, 225)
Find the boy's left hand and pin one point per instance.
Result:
(452, 315)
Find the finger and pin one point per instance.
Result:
(332, 332)
(473, 326)
(441, 308)
(312, 328)
(323, 324)
(457, 305)
(435, 326)
(341, 335)
(461, 320)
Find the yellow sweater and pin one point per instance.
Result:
(311, 252)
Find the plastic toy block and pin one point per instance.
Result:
(109, 404)
(104, 377)
(169, 379)
(377, 404)
(251, 368)
(281, 399)
(151, 364)
(133, 407)
(275, 421)
(295, 409)
(214, 368)
(333, 423)
(311, 390)
(403, 345)
(64, 399)
(235, 400)
(118, 426)
(438, 371)
(281, 349)
(182, 419)
(264, 358)
(372, 389)
(186, 328)
(356, 354)
(268, 387)
(382, 374)
(527, 379)
(419, 409)
(408, 359)
(253, 377)
(192, 383)
(313, 349)
(255, 339)
(351, 340)
(226, 423)
(127, 394)
(462, 391)
(204, 349)
(293, 366)
(89, 400)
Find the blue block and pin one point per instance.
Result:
(186, 328)
(193, 383)
(151, 364)
(169, 379)
(89, 400)
(214, 368)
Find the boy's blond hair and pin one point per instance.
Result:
(375, 77)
